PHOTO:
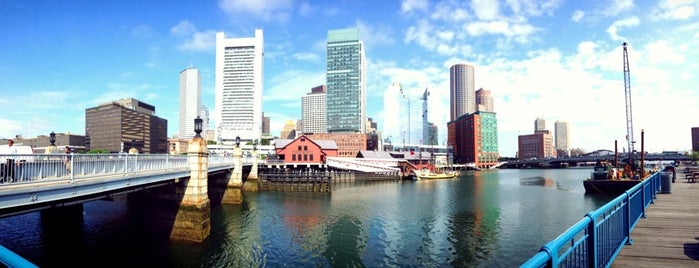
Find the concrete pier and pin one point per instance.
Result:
(233, 193)
(193, 219)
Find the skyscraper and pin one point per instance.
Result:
(313, 110)
(391, 117)
(484, 101)
(461, 90)
(190, 101)
(562, 135)
(346, 82)
(238, 110)
(539, 124)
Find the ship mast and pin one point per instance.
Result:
(629, 117)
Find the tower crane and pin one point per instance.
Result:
(629, 117)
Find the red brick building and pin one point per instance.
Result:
(537, 145)
(348, 144)
(305, 150)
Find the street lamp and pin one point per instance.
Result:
(237, 141)
(254, 145)
(52, 138)
(198, 126)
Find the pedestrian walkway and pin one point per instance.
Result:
(669, 236)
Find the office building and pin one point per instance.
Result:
(539, 124)
(120, 125)
(695, 139)
(537, 145)
(313, 111)
(238, 86)
(561, 132)
(190, 101)
(484, 101)
(265, 124)
(474, 139)
(461, 90)
(346, 82)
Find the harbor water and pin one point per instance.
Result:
(496, 218)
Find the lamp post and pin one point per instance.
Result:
(254, 145)
(197, 126)
(52, 138)
(237, 141)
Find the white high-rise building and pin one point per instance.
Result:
(562, 135)
(392, 99)
(190, 101)
(238, 110)
(313, 111)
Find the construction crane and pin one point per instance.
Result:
(629, 116)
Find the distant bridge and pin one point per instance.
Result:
(561, 162)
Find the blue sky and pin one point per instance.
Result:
(561, 60)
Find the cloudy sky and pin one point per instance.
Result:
(561, 60)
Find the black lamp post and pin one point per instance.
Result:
(52, 138)
(237, 141)
(254, 145)
(197, 126)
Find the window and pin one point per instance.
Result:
(305, 157)
(311, 157)
(305, 148)
(293, 157)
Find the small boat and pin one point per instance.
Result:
(427, 174)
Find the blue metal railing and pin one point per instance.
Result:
(11, 259)
(597, 238)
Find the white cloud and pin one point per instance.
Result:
(306, 9)
(306, 56)
(193, 39)
(292, 84)
(535, 8)
(408, 6)
(662, 51)
(577, 15)
(486, 9)
(676, 9)
(617, 7)
(614, 28)
(374, 35)
(267, 10)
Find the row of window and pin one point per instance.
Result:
(298, 157)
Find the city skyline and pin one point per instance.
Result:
(557, 59)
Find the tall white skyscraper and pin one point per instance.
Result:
(392, 99)
(313, 111)
(462, 90)
(238, 110)
(190, 101)
(346, 82)
(562, 135)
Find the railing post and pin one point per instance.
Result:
(72, 170)
(627, 227)
(126, 164)
(591, 242)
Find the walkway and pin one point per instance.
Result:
(669, 237)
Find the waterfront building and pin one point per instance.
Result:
(537, 145)
(539, 124)
(265, 124)
(313, 110)
(238, 87)
(41, 143)
(207, 133)
(561, 132)
(474, 138)
(432, 134)
(305, 150)
(484, 101)
(461, 90)
(346, 82)
(348, 144)
(695, 139)
(190, 101)
(425, 123)
(125, 123)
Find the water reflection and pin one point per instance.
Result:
(481, 219)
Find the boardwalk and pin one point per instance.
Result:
(669, 237)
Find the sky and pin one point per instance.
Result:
(556, 59)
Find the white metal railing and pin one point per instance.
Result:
(35, 167)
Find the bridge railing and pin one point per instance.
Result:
(597, 239)
(34, 167)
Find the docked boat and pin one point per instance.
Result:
(607, 180)
(426, 174)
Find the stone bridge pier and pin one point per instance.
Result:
(193, 219)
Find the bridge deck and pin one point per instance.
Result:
(669, 237)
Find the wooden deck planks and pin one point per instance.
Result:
(669, 236)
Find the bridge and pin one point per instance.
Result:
(562, 162)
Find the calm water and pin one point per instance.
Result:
(482, 219)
